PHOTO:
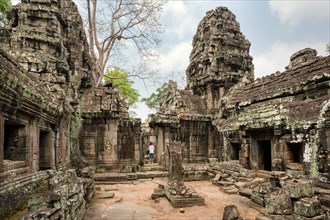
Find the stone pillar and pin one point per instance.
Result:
(137, 141)
(53, 146)
(2, 132)
(175, 173)
(33, 145)
(160, 147)
(244, 154)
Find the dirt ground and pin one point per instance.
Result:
(133, 201)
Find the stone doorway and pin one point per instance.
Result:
(234, 151)
(45, 150)
(294, 153)
(265, 155)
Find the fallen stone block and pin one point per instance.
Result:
(243, 172)
(106, 195)
(216, 179)
(257, 198)
(230, 213)
(239, 185)
(278, 202)
(245, 192)
(262, 218)
(281, 217)
(325, 201)
(298, 188)
(110, 188)
(318, 217)
(224, 183)
(230, 190)
(263, 188)
(308, 207)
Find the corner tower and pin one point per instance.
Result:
(220, 57)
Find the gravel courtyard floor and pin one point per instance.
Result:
(132, 200)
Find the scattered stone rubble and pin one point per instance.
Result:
(283, 196)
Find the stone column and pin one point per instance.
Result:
(2, 132)
(33, 145)
(160, 147)
(52, 150)
(175, 173)
(137, 141)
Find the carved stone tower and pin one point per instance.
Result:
(219, 58)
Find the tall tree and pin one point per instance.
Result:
(111, 23)
(5, 6)
(119, 78)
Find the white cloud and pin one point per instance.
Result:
(278, 56)
(296, 12)
(179, 19)
(176, 58)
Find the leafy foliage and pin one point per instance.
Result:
(5, 6)
(328, 49)
(120, 79)
(154, 100)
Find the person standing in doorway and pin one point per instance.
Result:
(151, 148)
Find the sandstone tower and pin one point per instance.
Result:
(219, 58)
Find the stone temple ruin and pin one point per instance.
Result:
(59, 133)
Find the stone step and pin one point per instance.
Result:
(152, 167)
(121, 177)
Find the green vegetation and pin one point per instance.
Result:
(5, 6)
(328, 49)
(119, 78)
(154, 100)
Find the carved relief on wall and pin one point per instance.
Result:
(108, 147)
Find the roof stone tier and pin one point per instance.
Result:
(220, 53)
(47, 39)
(295, 96)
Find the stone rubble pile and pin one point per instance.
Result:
(283, 196)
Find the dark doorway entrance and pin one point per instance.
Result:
(265, 155)
(234, 151)
(294, 152)
(45, 150)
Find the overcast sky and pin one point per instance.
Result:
(276, 30)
